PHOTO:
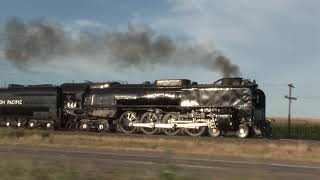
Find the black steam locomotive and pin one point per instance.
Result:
(174, 106)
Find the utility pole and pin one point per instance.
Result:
(290, 98)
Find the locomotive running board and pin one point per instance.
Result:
(169, 126)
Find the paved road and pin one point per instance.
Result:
(218, 165)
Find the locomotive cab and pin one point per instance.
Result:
(261, 126)
(73, 95)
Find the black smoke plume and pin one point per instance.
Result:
(36, 40)
(139, 46)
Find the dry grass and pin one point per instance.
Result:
(270, 150)
(24, 168)
(12, 168)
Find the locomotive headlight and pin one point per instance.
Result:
(8, 124)
(48, 125)
(101, 127)
(19, 124)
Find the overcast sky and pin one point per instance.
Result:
(275, 42)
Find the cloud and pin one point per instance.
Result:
(85, 23)
(252, 33)
(273, 41)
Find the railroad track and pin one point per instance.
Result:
(223, 139)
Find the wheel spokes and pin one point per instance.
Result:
(149, 117)
(197, 131)
(168, 118)
(125, 119)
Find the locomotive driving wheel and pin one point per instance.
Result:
(196, 131)
(167, 119)
(125, 120)
(151, 118)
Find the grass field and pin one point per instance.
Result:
(300, 128)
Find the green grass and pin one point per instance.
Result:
(297, 131)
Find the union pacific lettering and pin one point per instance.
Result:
(11, 102)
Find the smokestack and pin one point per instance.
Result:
(139, 46)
